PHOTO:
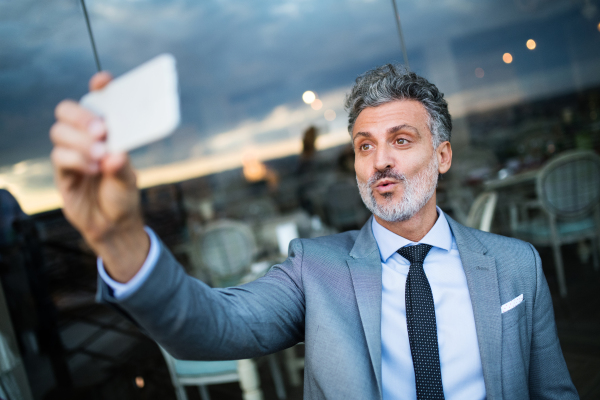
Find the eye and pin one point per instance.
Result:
(400, 141)
(365, 147)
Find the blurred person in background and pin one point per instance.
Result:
(306, 172)
(309, 148)
(414, 305)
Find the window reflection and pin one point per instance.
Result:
(264, 133)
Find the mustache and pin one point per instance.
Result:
(386, 173)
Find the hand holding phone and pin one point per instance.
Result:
(139, 107)
(92, 170)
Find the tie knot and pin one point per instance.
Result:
(415, 254)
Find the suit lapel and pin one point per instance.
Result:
(365, 269)
(482, 280)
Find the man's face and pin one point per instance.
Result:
(396, 165)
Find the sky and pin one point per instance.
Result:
(243, 66)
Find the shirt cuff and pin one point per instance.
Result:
(121, 290)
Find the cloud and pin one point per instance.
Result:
(242, 65)
(277, 135)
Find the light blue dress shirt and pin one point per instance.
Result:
(462, 373)
(122, 290)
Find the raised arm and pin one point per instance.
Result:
(193, 321)
(99, 190)
(187, 317)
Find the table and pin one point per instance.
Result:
(527, 177)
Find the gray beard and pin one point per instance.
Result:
(417, 192)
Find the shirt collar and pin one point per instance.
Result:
(388, 242)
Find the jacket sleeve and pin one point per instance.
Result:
(195, 322)
(548, 374)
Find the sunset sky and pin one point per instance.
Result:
(243, 66)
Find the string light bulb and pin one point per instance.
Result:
(309, 96)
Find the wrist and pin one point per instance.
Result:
(123, 251)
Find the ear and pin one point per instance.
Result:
(444, 155)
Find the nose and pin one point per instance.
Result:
(383, 159)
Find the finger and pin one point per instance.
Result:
(119, 165)
(113, 163)
(67, 160)
(72, 113)
(99, 80)
(64, 135)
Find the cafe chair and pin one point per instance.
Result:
(567, 208)
(203, 373)
(254, 210)
(481, 213)
(225, 250)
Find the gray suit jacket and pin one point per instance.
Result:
(328, 295)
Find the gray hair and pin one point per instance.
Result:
(394, 82)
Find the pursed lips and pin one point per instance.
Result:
(385, 185)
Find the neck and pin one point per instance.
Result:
(416, 228)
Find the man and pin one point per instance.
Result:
(414, 305)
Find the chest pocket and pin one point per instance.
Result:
(513, 316)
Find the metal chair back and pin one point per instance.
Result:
(569, 185)
(199, 373)
(481, 213)
(226, 249)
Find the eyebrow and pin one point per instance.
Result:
(393, 129)
(364, 134)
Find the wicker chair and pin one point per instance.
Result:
(568, 193)
(225, 250)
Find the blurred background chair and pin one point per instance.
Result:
(253, 210)
(567, 208)
(225, 251)
(481, 214)
(203, 373)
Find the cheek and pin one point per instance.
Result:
(361, 169)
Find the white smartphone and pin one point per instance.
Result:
(139, 107)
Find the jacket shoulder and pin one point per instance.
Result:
(498, 245)
(338, 244)
(515, 259)
(490, 243)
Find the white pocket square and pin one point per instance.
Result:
(512, 304)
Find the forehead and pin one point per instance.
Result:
(388, 115)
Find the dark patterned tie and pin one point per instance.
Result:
(422, 330)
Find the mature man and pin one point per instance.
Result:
(414, 305)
